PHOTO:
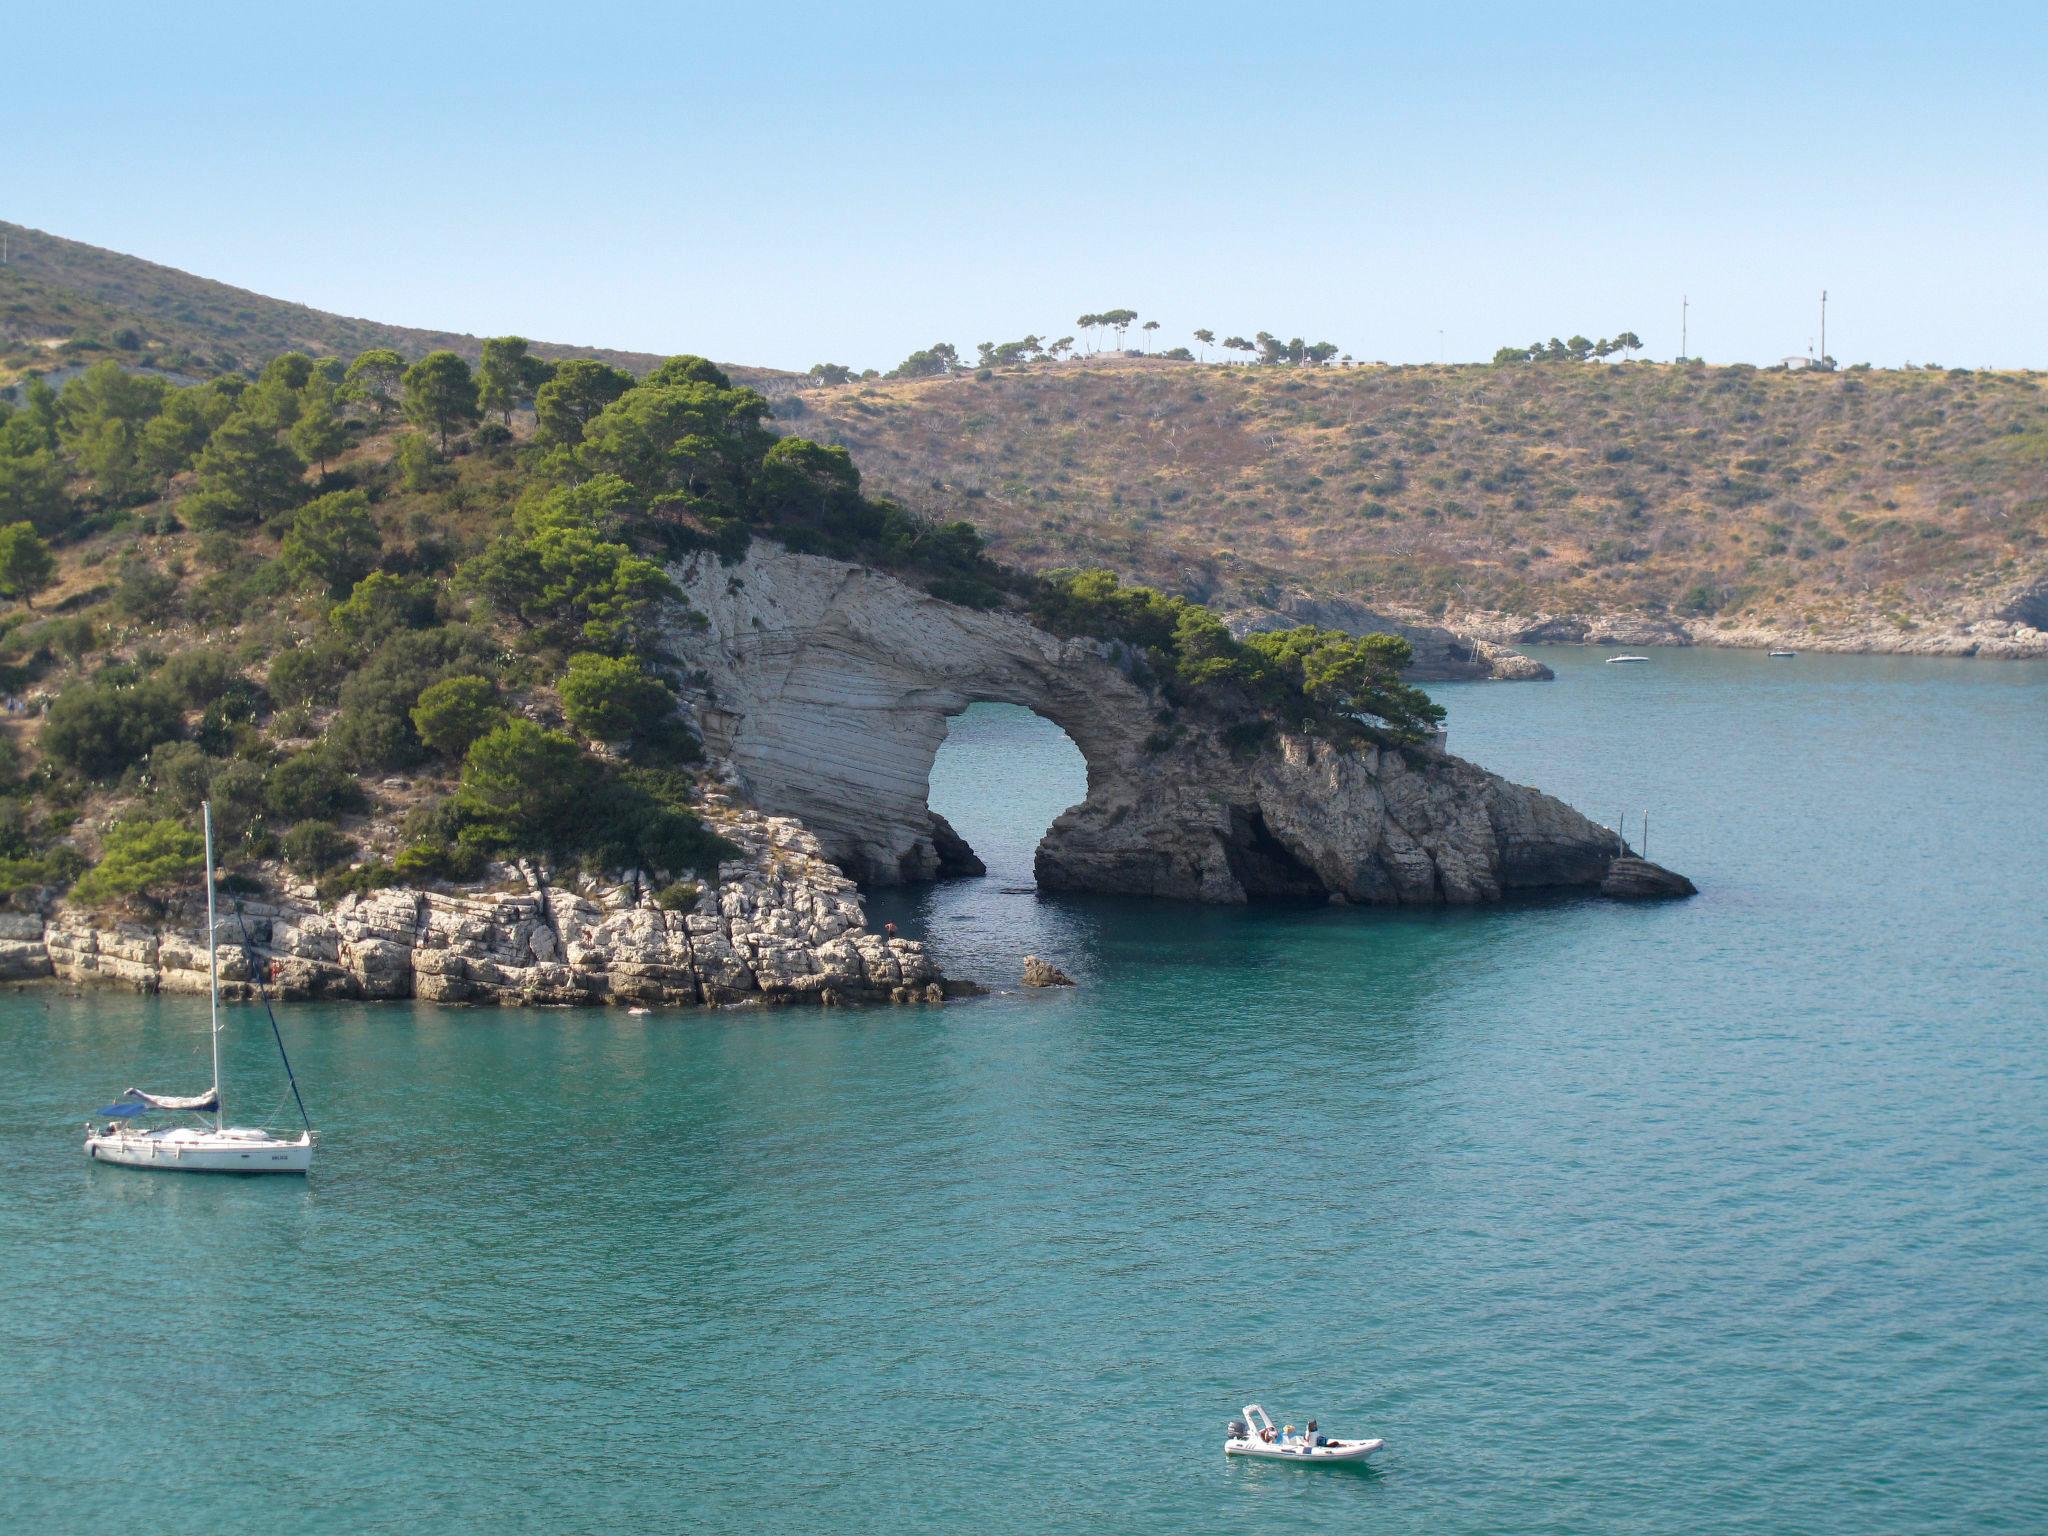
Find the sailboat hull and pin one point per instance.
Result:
(189, 1151)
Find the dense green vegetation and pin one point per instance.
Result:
(1335, 683)
(392, 638)
(274, 600)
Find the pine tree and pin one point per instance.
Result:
(245, 472)
(319, 433)
(26, 564)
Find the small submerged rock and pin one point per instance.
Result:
(1042, 973)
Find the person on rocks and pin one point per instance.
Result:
(889, 930)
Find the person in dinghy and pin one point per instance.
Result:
(1254, 1435)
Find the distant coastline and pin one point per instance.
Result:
(1992, 638)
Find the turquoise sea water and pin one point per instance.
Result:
(1723, 1215)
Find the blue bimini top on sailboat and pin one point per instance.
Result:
(125, 1108)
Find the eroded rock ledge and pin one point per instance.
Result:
(827, 688)
(779, 925)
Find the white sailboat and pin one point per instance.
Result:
(200, 1148)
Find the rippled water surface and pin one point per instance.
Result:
(1731, 1214)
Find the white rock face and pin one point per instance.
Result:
(829, 688)
(780, 925)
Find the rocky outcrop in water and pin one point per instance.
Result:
(1043, 973)
(779, 925)
(827, 688)
(1307, 819)
(1634, 879)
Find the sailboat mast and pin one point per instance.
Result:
(212, 968)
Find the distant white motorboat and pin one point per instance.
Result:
(1783, 655)
(1614, 660)
(200, 1148)
(1254, 1435)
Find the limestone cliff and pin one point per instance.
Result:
(827, 688)
(779, 925)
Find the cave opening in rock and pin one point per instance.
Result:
(1001, 777)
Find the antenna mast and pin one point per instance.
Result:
(1823, 327)
(212, 967)
(1684, 304)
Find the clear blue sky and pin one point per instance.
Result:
(791, 183)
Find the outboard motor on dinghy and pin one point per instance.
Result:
(1239, 1430)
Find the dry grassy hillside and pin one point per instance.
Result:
(63, 302)
(1752, 498)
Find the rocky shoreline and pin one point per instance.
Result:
(780, 925)
(1993, 637)
(822, 691)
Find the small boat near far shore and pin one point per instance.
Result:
(1783, 655)
(1617, 660)
(1254, 1435)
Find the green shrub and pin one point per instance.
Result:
(183, 776)
(418, 470)
(143, 592)
(101, 727)
(563, 578)
(454, 712)
(314, 847)
(313, 786)
(1336, 680)
(374, 728)
(360, 881)
(311, 673)
(681, 896)
(383, 604)
(525, 788)
(26, 564)
(71, 636)
(610, 698)
(199, 676)
(142, 859)
(25, 875)
(429, 860)
(332, 542)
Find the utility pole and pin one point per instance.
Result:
(1684, 304)
(1823, 327)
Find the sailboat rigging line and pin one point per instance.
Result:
(263, 996)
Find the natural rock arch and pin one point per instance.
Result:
(826, 687)
(831, 686)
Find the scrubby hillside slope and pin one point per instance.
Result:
(62, 301)
(1877, 506)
